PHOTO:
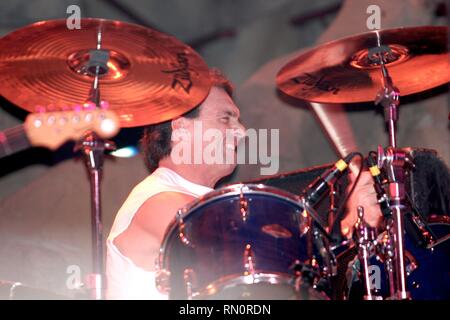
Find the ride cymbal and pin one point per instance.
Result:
(343, 72)
(152, 77)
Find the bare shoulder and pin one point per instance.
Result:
(156, 212)
(142, 238)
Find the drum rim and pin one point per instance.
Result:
(266, 277)
(213, 195)
(275, 278)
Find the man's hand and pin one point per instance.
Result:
(364, 195)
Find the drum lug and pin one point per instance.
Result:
(304, 222)
(412, 263)
(162, 280)
(182, 228)
(243, 207)
(182, 235)
(179, 215)
(190, 283)
(249, 261)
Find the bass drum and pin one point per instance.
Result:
(428, 269)
(238, 242)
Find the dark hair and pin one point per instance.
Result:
(156, 139)
(431, 184)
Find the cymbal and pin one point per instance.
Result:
(342, 72)
(152, 77)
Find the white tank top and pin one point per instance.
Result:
(125, 280)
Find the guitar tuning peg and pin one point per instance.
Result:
(51, 107)
(104, 105)
(40, 109)
(89, 106)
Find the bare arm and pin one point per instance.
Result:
(140, 241)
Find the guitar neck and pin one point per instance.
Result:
(13, 140)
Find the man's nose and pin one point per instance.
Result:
(239, 131)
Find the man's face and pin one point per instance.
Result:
(216, 132)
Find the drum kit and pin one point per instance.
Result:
(246, 241)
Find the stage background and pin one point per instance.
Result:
(44, 196)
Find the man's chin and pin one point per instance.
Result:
(229, 168)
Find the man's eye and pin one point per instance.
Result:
(225, 119)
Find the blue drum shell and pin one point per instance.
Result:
(430, 278)
(217, 232)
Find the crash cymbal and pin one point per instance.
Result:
(342, 72)
(152, 77)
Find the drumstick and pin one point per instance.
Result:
(335, 123)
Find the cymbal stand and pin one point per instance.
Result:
(93, 147)
(394, 161)
(367, 247)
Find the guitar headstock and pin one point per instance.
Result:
(52, 129)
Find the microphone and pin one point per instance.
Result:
(317, 189)
(378, 185)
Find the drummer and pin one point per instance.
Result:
(138, 230)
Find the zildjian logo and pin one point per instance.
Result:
(310, 80)
(182, 76)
